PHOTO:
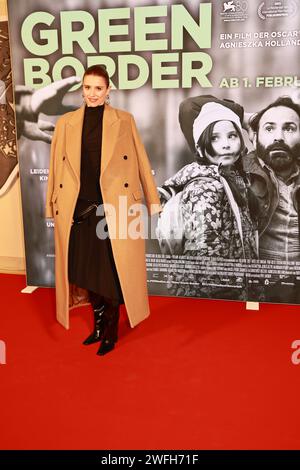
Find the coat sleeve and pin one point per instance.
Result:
(145, 172)
(50, 186)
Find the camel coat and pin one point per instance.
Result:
(125, 171)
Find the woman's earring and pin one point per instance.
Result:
(107, 99)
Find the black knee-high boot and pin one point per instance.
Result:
(111, 323)
(98, 305)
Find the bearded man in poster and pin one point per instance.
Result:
(275, 180)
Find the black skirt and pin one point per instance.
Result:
(91, 262)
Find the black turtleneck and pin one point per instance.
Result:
(91, 154)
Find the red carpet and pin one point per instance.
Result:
(196, 375)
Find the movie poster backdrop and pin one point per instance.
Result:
(159, 55)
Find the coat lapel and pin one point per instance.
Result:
(110, 131)
(73, 140)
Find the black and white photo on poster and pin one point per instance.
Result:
(231, 229)
(232, 206)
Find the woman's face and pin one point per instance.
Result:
(95, 90)
(225, 142)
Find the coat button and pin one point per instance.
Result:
(125, 157)
(60, 185)
(56, 212)
(64, 158)
(126, 185)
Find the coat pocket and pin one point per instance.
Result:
(54, 197)
(137, 194)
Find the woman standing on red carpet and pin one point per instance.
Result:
(97, 157)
